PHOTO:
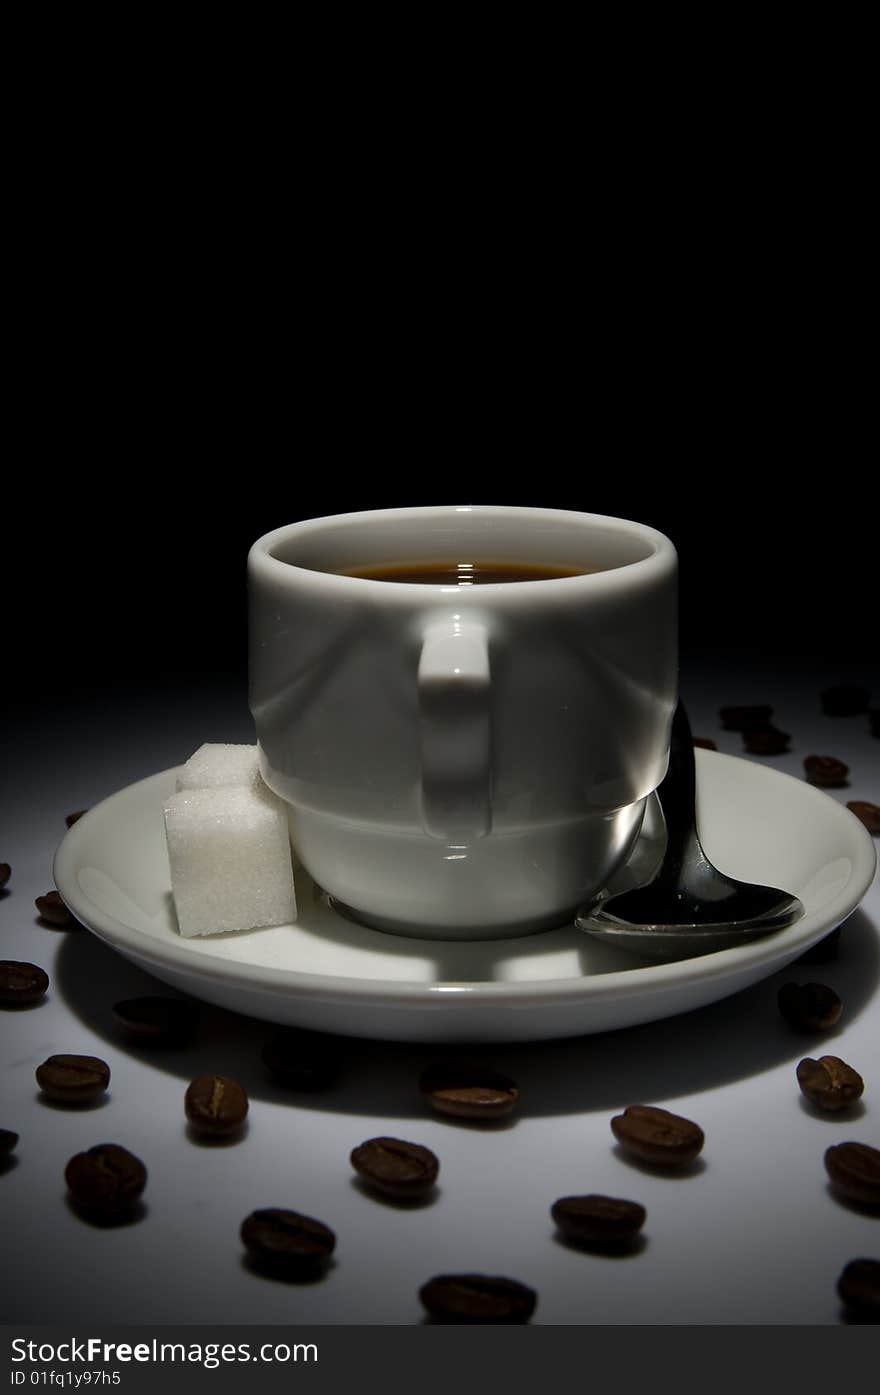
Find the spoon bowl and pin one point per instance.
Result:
(689, 907)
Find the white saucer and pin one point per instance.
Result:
(329, 973)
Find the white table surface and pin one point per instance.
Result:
(751, 1235)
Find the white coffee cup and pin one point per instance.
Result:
(463, 761)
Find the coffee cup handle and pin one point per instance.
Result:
(453, 685)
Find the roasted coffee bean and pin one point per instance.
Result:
(829, 1083)
(73, 818)
(859, 1287)
(846, 700)
(743, 718)
(477, 1298)
(824, 951)
(655, 1136)
(399, 1169)
(602, 1221)
(705, 743)
(8, 1140)
(52, 909)
(868, 813)
(854, 1169)
(215, 1105)
(468, 1091)
(157, 1021)
(73, 1079)
(286, 1241)
(5, 873)
(811, 1007)
(827, 771)
(301, 1060)
(766, 741)
(21, 983)
(107, 1179)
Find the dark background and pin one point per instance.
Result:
(718, 392)
(134, 579)
(660, 313)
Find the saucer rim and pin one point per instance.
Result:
(345, 989)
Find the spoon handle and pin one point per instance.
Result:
(677, 795)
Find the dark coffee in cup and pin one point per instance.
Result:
(466, 573)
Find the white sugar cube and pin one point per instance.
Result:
(215, 764)
(229, 852)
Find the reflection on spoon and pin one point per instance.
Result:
(688, 907)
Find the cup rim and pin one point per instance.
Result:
(662, 557)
